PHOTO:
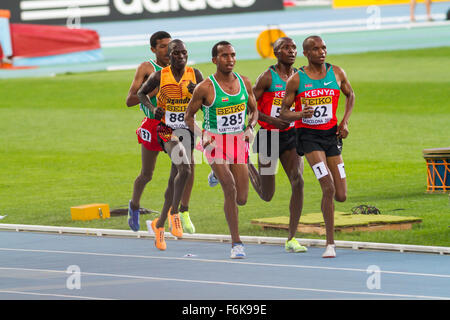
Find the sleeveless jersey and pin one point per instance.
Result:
(270, 101)
(322, 95)
(148, 113)
(227, 113)
(174, 96)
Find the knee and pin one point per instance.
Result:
(296, 180)
(184, 171)
(329, 190)
(145, 177)
(340, 197)
(267, 195)
(241, 200)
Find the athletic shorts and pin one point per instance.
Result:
(147, 136)
(309, 140)
(263, 142)
(166, 134)
(229, 148)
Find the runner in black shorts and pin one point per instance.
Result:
(309, 140)
(316, 89)
(276, 138)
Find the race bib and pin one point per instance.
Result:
(174, 117)
(145, 135)
(276, 109)
(323, 110)
(231, 119)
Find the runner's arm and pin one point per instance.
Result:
(347, 89)
(142, 73)
(151, 84)
(262, 84)
(289, 98)
(198, 97)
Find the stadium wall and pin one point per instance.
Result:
(65, 12)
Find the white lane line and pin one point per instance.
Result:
(227, 262)
(240, 284)
(51, 295)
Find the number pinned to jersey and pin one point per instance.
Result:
(341, 170)
(145, 135)
(320, 170)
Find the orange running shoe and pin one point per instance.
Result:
(160, 243)
(175, 225)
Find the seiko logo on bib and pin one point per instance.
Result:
(138, 6)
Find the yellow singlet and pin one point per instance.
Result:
(174, 96)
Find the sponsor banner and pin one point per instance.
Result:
(365, 3)
(69, 12)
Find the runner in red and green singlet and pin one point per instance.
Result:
(316, 89)
(276, 138)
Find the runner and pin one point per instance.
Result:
(146, 134)
(176, 84)
(225, 97)
(316, 89)
(276, 138)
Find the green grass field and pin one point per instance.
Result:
(70, 140)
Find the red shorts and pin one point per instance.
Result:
(229, 147)
(147, 135)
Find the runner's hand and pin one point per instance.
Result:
(248, 135)
(342, 130)
(159, 113)
(191, 86)
(307, 112)
(207, 140)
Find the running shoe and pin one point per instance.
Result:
(212, 180)
(293, 246)
(237, 251)
(186, 222)
(329, 251)
(133, 218)
(175, 225)
(160, 243)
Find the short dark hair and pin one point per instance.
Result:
(158, 36)
(215, 51)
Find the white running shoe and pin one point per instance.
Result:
(329, 251)
(237, 251)
(212, 180)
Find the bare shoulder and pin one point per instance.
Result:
(204, 86)
(338, 71)
(246, 81)
(264, 78)
(146, 68)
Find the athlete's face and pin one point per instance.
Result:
(287, 52)
(226, 58)
(316, 51)
(178, 55)
(160, 51)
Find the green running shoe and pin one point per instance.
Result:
(186, 222)
(293, 246)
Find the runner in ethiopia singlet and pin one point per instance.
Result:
(147, 131)
(270, 104)
(225, 122)
(323, 96)
(173, 97)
